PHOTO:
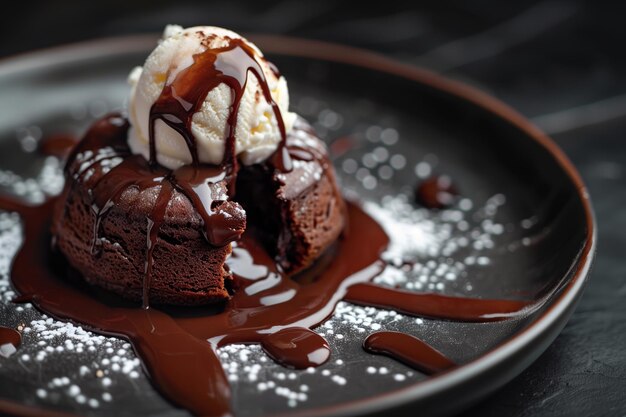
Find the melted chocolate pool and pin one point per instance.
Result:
(59, 145)
(10, 340)
(178, 346)
(436, 192)
(296, 347)
(409, 350)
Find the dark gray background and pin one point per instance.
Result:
(561, 63)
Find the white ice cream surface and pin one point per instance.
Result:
(257, 133)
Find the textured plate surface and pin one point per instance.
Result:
(523, 229)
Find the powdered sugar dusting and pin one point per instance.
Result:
(424, 243)
(48, 182)
(429, 251)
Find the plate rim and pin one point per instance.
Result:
(548, 324)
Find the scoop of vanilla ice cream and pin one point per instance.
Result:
(257, 134)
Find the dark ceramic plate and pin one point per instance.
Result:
(522, 229)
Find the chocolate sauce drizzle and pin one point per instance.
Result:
(183, 97)
(434, 305)
(268, 308)
(436, 192)
(10, 340)
(296, 347)
(409, 350)
(58, 145)
(179, 100)
(105, 147)
(178, 348)
(173, 345)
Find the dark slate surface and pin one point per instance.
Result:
(561, 63)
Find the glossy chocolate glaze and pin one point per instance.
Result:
(104, 147)
(178, 346)
(173, 344)
(182, 98)
(179, 100)
(435, 305)
(58, 145)
(10, 337)
(436, 192)
(296, 347)
(409, 350)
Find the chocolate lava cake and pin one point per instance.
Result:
(298, 213)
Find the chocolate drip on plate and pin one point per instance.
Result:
(178, 348)
(296, 347)
(10, 340)
(435, 305)
(173, 346)
(409, 350)
(276, 314)
(58, 145)
(437, 192)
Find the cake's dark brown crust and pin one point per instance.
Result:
(186, 270)
(303, 206)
